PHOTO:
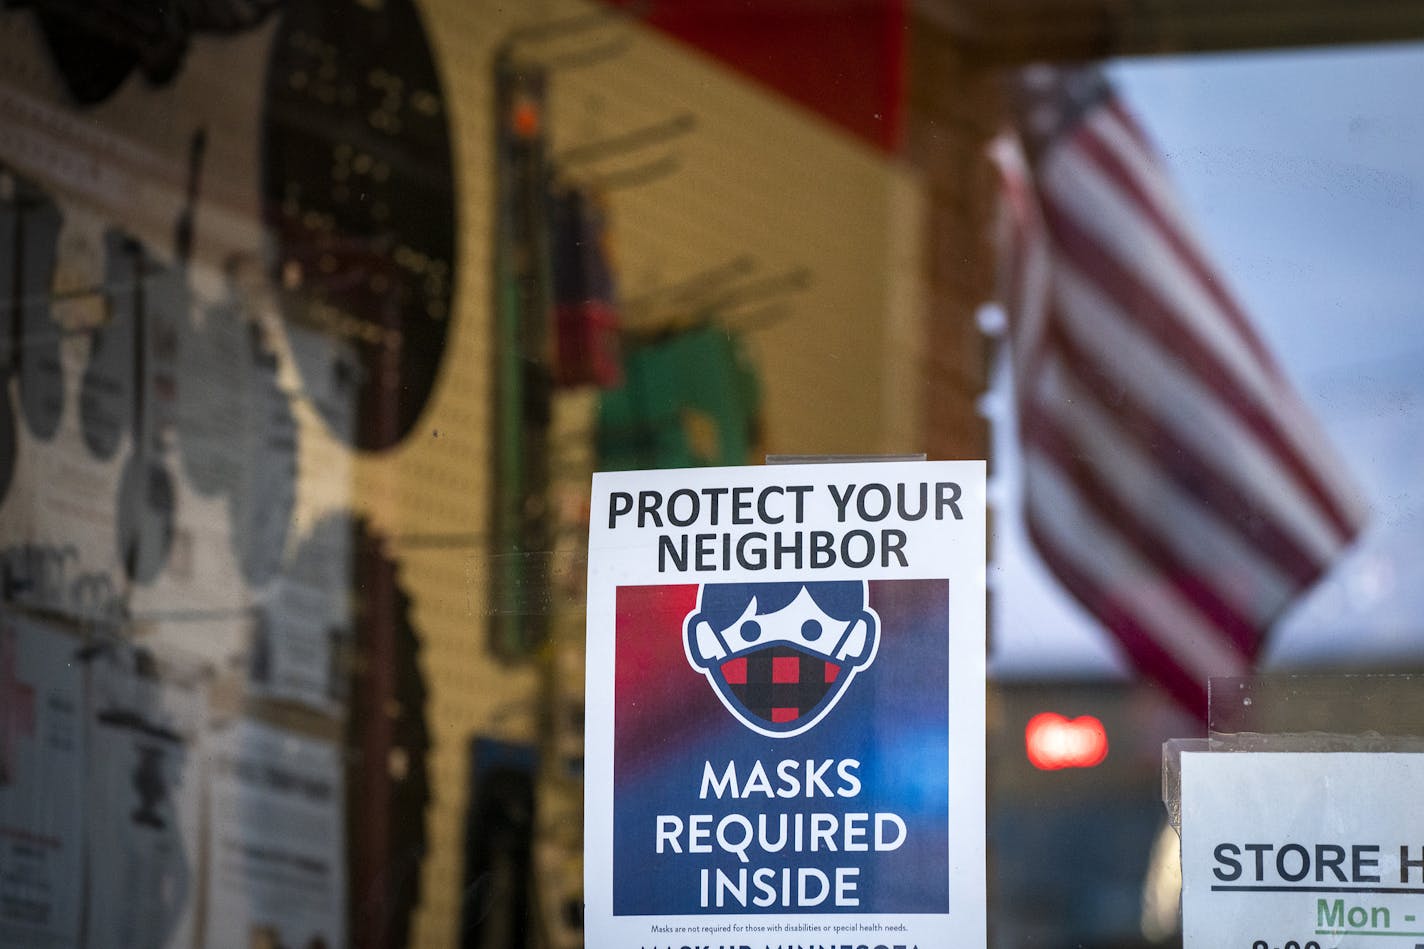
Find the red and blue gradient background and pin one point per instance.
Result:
(893, 719)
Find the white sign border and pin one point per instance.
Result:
(955, 550)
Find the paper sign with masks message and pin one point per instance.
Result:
(785, 736)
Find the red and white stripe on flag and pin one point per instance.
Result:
(1174, 481)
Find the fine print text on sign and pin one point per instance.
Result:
(785, 701)
(1322, 850)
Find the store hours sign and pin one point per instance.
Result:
(785, 706)
(1296, 849)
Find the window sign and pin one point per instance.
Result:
(786, 706)
(1300, 850)
(41, 785)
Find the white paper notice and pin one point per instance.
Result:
(300, 629)
(144, 787)
(41, 812)
(275, 844)
(785, 738)
(1302, 851)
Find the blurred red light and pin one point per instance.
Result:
(1054, 742)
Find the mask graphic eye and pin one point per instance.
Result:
(751, 631)
(811, 630)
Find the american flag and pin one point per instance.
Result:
(1174, 481)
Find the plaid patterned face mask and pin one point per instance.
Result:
(780, 684)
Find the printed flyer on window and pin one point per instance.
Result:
(786, 706)
(41, 784)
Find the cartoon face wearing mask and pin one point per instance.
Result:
(780, 655)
